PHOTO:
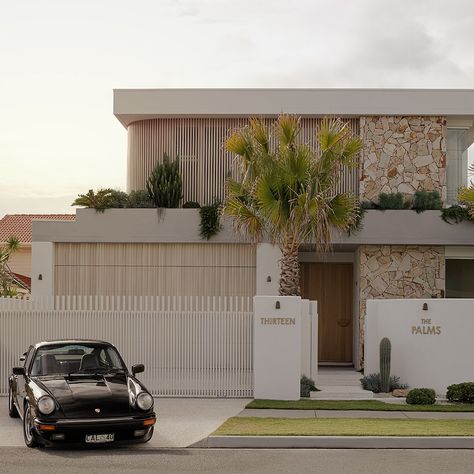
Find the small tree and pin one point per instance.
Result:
(165, 185)
(6, 280)
(287, 192)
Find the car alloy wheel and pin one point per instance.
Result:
(28, 433)
(12, 411)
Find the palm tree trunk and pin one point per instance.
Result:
(290, 270)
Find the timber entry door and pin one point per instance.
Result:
(331, 284)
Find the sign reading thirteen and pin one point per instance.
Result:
(278, 321)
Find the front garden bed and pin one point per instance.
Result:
(370, 405)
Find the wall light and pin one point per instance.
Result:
(40, 276)
(277, 305)
(425, 306)
(269, 279)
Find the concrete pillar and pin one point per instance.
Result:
(268, 269)
(42, 269)
(277, 347)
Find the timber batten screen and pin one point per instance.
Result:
(200, 145)
(147, 269)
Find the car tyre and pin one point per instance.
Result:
(28, 430)
(12, 411)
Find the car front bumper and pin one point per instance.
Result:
(126, 429)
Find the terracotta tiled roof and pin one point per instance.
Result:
(20, 225)
(26, 280)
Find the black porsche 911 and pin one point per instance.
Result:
(79, 391)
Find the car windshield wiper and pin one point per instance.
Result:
(98, 372)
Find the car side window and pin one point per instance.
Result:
(28, 357)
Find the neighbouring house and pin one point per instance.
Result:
(413, 140)
(19, 225)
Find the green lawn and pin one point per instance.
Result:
(373, 405)
(250, 426)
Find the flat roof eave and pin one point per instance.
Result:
(131, 105)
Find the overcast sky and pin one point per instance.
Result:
(60, 60)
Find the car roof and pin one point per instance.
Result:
(71, 341)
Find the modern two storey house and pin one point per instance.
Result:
(413, 140)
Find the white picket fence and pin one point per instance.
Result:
(191, 347)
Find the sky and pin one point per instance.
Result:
(61, 59)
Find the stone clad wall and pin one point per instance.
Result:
(402, 154)
(399, 271)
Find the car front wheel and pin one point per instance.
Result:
(28, 428)
(12, 411)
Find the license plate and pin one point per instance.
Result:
(100, 438)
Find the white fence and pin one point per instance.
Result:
(191, 347)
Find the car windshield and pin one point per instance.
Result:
(79, 358)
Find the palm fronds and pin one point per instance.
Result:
(288, 192)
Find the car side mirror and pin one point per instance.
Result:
(18, 371)
(138, 368)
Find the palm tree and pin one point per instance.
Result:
(287, 191)
(466, 194)
(6, 279)
(100, 200)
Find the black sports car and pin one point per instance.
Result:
(79, 391)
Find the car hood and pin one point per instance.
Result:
(85, 397)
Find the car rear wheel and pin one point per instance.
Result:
(12, 411)
(28, 433)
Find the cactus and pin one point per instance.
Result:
(385, 350)
(165, 185)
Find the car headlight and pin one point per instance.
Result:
(46, 405)
(144, 401)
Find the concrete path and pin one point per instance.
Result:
(181, 422)
(270, 413)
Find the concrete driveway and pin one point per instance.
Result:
(181, 422)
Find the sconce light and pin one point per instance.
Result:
(40, 276)
(425, 306)
(277, 305)
(269, 279)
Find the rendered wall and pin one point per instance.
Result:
(398, 271)
(402, 154)
(431, 348)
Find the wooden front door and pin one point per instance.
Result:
(331, 285)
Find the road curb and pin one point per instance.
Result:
(346, 442)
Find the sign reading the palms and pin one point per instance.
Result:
(287, 191)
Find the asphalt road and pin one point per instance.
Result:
(169, 461)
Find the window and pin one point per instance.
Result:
(460, 278)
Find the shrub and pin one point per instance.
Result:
(306, 386)
(461, 392)
(455, 214)
(118, 199)
(427, 200)
(139, 199)
(391, 201)
(210, 223)
(191, 205)
(373, 383)
(421, 396)
(165, 185)
(368, 205)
